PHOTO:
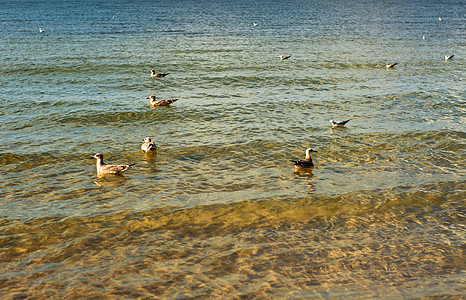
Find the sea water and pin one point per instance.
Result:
(219, 211)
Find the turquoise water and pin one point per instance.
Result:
(219, 211)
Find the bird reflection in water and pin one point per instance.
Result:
(111, 181)
(307, 174)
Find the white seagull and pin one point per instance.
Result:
(148, 145)
(41, 30)
(390, 66)
(305, 163)
(103, 168)
(282, 57)
(448, 57)
(338, 123)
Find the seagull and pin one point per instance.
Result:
(423, 37)
(148, 145)
(440, 19)
(103, 168)
(448, 57)
(41, 30)
(255, 24)
(339, 123)
(390, 66)
(305, 163)
(282, 57)
(157, 75)
(155, 102)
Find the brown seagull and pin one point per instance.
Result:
(103, 168)
(148, 145)
(305, 163)
(155, 102)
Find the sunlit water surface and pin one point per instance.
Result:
(219, 211)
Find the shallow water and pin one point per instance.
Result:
(219, 210)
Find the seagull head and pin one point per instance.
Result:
(98, 156)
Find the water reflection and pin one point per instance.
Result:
(149, 156)
(110, 180)
(338, 129)
(307, 174)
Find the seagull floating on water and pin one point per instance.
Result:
(339, 123)
(255, 24)
(153, 74)
(305, 163)
(103, 168)
(440, 19)
(390, 66)
(41, 30)
(155, 102)
(448, 57)
(148, 145)
(282, 57)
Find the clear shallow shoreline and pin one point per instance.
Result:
(383, 245)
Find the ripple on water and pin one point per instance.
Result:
(219, 212)
(246, 248)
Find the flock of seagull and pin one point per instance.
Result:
(150, 147)
(391, 66)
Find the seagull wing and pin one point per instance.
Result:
(302, 163)
(115, 169)
(344, 122)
